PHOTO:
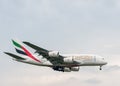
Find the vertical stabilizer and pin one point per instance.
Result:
(19, 47)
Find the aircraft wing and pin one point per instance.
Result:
(14, 56)
(54, 60)
(39, 50)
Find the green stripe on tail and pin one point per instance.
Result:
(16, 44)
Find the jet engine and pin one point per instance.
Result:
(66, 69)
(63, 69)
(75, 68)
(68, 60)
(53, 54)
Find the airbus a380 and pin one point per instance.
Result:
(54, 60)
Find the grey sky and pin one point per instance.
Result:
(79, 26)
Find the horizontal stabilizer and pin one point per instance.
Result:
(14, 56)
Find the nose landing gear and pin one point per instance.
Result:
(100, 67)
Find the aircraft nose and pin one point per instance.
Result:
(105, 63)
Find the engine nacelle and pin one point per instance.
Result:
(68, 60)
(75, 68)
(63, 69)
(66, 69)
(53, 54)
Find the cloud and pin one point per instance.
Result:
(112, 68)
(32, 75)
(93, 81)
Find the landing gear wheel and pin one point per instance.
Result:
(100, 67)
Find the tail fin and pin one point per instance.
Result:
(19, 47)
(22, 50)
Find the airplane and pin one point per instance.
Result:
(54, 60)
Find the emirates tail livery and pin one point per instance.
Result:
(54, 60)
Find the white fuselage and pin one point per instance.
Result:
(70, 60)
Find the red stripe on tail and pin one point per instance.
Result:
(30, 55)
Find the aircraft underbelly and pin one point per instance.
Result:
(91, 64)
